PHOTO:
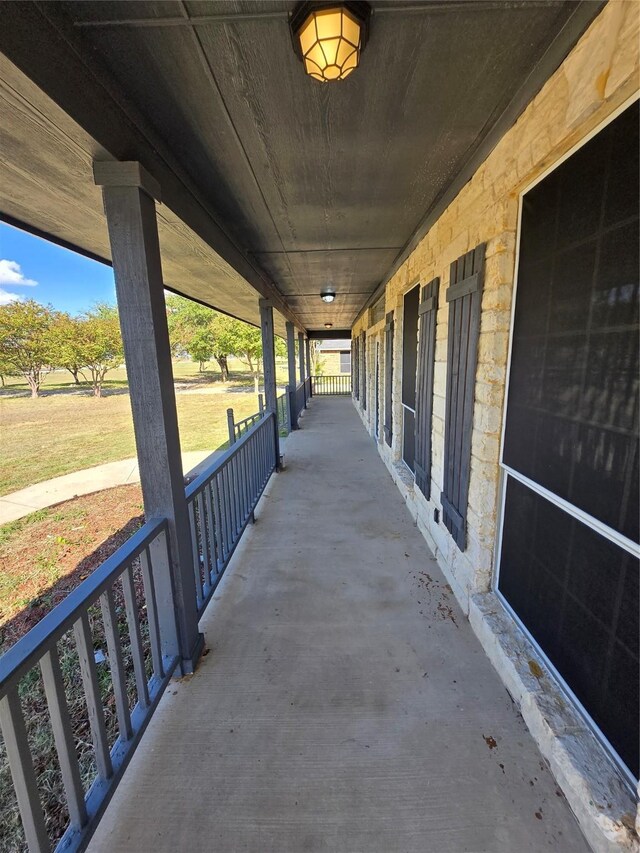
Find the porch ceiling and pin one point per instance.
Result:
(268, 177)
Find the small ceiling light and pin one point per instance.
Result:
(328, 295)
(330, 36)
(328, 325)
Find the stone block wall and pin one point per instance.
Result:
(598, 77)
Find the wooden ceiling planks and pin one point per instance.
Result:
(312, 184)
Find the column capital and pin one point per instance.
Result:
(125, 173)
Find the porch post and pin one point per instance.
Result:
(291, 358)
(301, 360)
(307, 350)
(269, 366)
(129, 195)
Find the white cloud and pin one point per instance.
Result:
(11, 273)
(6, 297)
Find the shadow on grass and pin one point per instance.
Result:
(34, 704)
(17, 626)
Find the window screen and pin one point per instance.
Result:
(572, 422)
(572, 428)
(577, 593)
(345, 362)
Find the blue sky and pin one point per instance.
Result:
(32, 268)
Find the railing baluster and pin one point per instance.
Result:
(240, 484)
(220, 550)
(204, 541)
(226, 504)
(152, 613)
(93, 698)
(235, 495)
(63, 736)
(133, 621)
(25, 785)
(114, 647)
(213, 562)
(196, 551)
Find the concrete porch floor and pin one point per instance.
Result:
(345, 704)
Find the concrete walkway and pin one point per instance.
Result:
(345, 704)
(50, 492)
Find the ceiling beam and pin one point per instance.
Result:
(424, 8)
(329, 334)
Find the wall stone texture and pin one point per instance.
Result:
(598, 77)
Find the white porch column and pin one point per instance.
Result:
(129, 194)
(269, 367)
(291, 359)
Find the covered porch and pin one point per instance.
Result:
(342, 686)
(344, 703)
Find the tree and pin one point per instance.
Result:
(67, 334)
(6, 369)
(99, 343)
(26, 340)
(233, 337)
(317, 363)
(191, 329)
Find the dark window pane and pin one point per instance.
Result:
(408, 438)
(577, 593)
(572, 419)
(410, 347)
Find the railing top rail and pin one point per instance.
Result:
(254, 417)
(203, 479)
(29, 649)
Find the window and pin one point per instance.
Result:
(409, 365)
(570, 517)
(345, 362)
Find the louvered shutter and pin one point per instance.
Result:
(355, 367)
(388, 378)
(424, 384)
(464, 296)
(363, 347)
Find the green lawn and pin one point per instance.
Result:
(63, 431)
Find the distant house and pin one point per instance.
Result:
(335, 357)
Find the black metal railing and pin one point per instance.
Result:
(222, 500)
(243, 426)
(299, 400)
(283, 412)
(55, 667)
(324, 386)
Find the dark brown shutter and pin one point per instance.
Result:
(363, 347)
(464, 296)
(388, 378)
(424, 385)
(355, 367)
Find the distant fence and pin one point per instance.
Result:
(222, 500)
(55, 666)
(324, 386)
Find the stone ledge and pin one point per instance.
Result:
(603, 804)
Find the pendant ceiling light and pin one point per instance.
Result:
(328, 295)
(329, 37)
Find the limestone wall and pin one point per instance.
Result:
(598, 77)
